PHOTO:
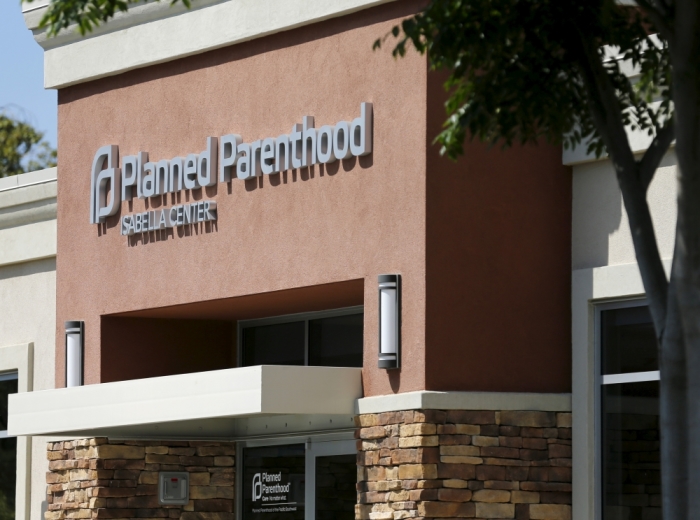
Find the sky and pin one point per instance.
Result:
(22, 73)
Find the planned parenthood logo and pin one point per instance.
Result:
(257, 487)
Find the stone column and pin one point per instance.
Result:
(105, 478)
(464, 464)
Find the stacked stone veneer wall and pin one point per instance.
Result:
(103, 478)
(464, 464)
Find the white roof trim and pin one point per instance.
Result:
(177, 35)
(431, 400)
(200, 404)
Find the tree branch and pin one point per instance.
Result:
(656, 151)
(607, 116)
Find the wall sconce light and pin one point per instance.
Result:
(389, 320)
(74, 352)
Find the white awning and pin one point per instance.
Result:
(236, 402)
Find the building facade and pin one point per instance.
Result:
(275, 300)
(27, 327)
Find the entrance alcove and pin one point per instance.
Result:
(203, 336)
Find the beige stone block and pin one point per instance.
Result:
(529, 419)
(196, 479)
(202, 492)
(214, 451)
(384, 485)
(82, 474)
(563, 420)
(489, 510)
(381, 515)
(415, 442)
(223, 461)
(375, 473)
(417, 471)
(56, 455)
(501, 484)
(53, 515)
(110, 451)
(362, 511)
(470, 451)
(85, 452)
(373, 432)
(149, 477)
(397, 496)
(153, 458)
(467, 429)
(449, 459)
(391, 473)
(400, 515)
(550, 512)
(455, 483)
(454, 495)
(411, 430)
(368, 420)
(491, 495)
(524, 497)
(446, 509)
(480, 440)
(159, 450)
(96, 502)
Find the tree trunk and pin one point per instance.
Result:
(673, 410)
(685, 50)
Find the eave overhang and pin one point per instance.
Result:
(229, 403)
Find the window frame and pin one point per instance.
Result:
(601, 380)
(20, 359)
(291, 318)
(11, 375)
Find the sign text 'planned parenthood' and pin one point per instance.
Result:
(227, 157)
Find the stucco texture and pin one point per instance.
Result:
(498, 265)
(27, 307)
(601, 233)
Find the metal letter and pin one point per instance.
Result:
(229, 156)
(361, 131)
(341, 140)
(308, 156)
(324, 145)
(206, 166)
(190, 172)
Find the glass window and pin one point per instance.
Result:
(280, 344)
(333, 338)
(630, 449)
(336, 495)
(274, 482)
(8, 450)
(336, 341)
(629, 342)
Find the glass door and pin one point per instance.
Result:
(331, 475)
(307, 480)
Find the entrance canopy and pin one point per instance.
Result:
(231, 403)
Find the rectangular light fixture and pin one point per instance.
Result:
(389, 320)
(74, 352)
